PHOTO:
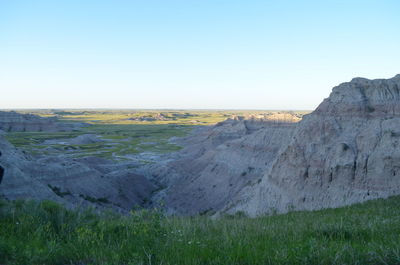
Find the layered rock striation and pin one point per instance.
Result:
(344, 152)
(88, 181)
(219, 161)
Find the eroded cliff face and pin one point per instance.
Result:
(11, 121)
(219, 161)
(346, 151)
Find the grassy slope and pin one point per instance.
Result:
(33, 233)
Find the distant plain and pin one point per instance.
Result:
(122, 132)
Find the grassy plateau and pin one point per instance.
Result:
(46, 233)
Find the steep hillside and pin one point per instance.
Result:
(346, 151)
(219, 161)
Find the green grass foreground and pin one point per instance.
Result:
(47, 233)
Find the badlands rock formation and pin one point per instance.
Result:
(14, 182)
(11, 121)
(221, 160)
(86, 181)
(346, 151)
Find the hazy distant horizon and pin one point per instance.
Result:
(253, 55)
(143, 109)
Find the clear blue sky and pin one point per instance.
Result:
(191, 53)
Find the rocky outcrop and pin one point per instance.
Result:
(155, 117)
(11, 121)
(219, 161)
(15, 182)
(87, 181)
(346, 151)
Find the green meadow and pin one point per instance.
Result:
(46, 233)
(117, 140)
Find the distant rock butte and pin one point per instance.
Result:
(11, 121)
